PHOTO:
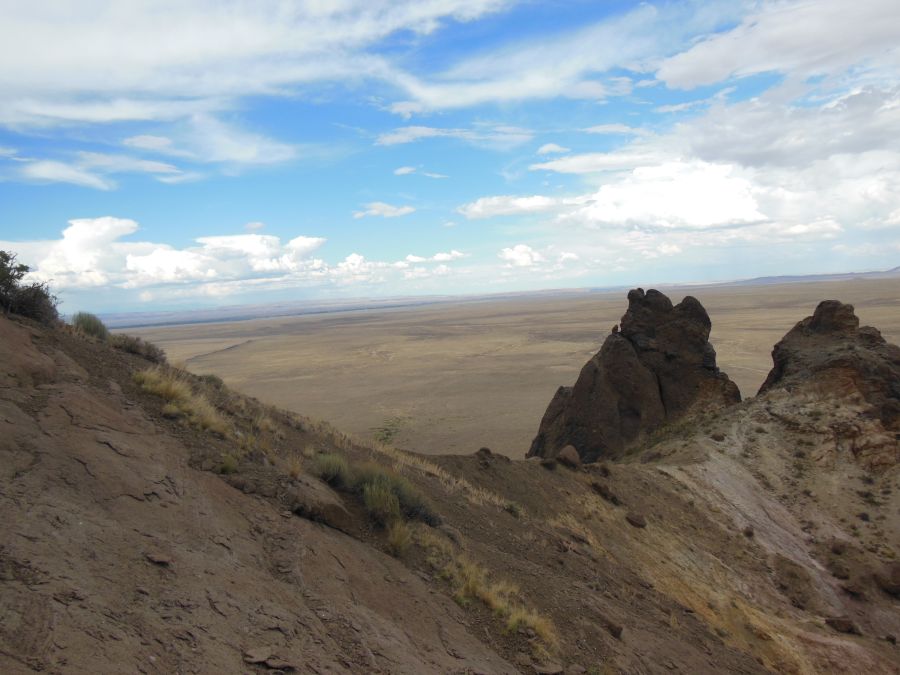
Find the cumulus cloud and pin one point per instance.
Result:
(622, 129)
(693, 195)
(520, 255)
(404, 170)
(254, 226)
(383, 210)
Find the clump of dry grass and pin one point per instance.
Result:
(399, 538)
(381, 502)
(333, 469)
(135, 345)
(181, 400)
(408, 461)
(295, 467)
(472, 582)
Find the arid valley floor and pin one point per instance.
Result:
(450, 378)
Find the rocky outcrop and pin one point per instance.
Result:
(831, 350)
(653, 370)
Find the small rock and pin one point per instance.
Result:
(614, 629)
(891, 638)
(522, 659)
(749, 532)
(548, 668)
(159, 559)
(257, 654)
(636, 519)
(843, 624)
(718, 437)
(576, 669)
(838, 547)
(548, 463)
(888, 579)
(604, 491)
(569, 457)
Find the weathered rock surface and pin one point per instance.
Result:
(659, 366)
(829, 357)
(831, 347)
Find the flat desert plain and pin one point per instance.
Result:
(452, 377)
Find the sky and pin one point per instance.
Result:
(173, 154)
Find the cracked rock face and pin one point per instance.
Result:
(654, 370)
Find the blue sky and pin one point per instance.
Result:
(162, 155)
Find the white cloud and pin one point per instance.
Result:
(254, 226)
(508, 205)
(404, 170)
(593, 162)
(149, 142)
(123, 164)
(693, 195)
(622, 129)
(801, 39)
(551, 149)
(497, 136)
(437, 257)
(7, 152)
(105, 62)
(520, 255)
(382, 209)
(60, 172)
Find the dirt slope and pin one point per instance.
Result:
(725, 545)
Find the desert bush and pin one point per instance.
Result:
(135, 345)
(410, 499)
(399, 538)
(228, 465)
(213, 381)
(32, 300)
(90, 324)
(333, 469)
(180, 398)
(381, 502)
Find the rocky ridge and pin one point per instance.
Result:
(651, 371)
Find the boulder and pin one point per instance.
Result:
(312, 499)
(569, 457)
(654, 369)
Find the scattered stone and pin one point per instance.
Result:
(605, 492)
(522, 659)
(257, 654)
(569, 457)
(843, 624)
(749, 532)
(888, 579)
(576, 669)
(653, 371)
(548, 668)
(548, 463)
(636, 519)
(159, 559)
(614, 629)
(890, 637)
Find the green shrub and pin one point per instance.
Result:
(32, 300)
(228, 465)
(381, 503)
(410, 500)
(135, 345)
(90, 324)
(333, 469)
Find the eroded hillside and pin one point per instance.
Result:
(158, 522)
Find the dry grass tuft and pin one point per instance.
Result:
(181, 400)
(399, 538)
(381, 503)
(295, 467)
(471, 582)
(333, 469)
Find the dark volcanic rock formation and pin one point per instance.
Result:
(652, 371)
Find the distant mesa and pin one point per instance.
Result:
(652, 370)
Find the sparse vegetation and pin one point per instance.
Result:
(135, 345)
(34, 300)
(90, 324)
(180, 397)
(333, 469)
(381, 502)
(472, 582)
(228, 465)
(399, 538)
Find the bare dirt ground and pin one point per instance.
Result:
(452, 378)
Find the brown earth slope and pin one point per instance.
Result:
(732, 543)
